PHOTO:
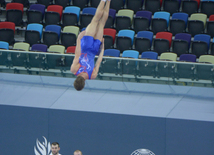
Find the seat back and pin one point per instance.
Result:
(21, 46)
(162, 15)
(168, 56)
(181, 16)
(130, 54)
(149, 55)
(127, 13)
(145, 34)
(4, 45)
(15, 6)
(112, 52)
(183, 36)
(188, 57)
(127, 33)
(71, 29)
(73, 9)
(39, 47)
(112, 13)
(89, 10)
(24, 2)
(144, 14)
(53, 28)
(57, 48)
(71, 49)
(211, 18)
(165, 35)
(199, 16)
(35, 27)
(110, 32)
(55, 8)
(38, 7)
(7, 25)
(206, 58)
(203, 37)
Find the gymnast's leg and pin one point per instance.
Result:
(92, 27)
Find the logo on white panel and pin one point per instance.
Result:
(42, 148)
(142, 152)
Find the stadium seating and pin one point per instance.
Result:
(7, 32)
(36, 13)
(124, 19)
(201, 44)
(4, 45)
(112, 53)
(71, 49)
(86, 16)
(33, 34)
(135, 5)
(39, 47)
(70, 16)
(142, 21)
(117, 5)
(53, 14)
(178, 23)
(160, 21)
(207, 7)
(62, 3)
(109, 36)
(171, 6)
(162, 42)
(124, 40)
(143, 41)
(51, 35)
(57, 48)
(45, 2)
(181, 43)
(81, 4)
(196, 23)
(14, 13)
(69, 36)
(153, 5)
(189, 6)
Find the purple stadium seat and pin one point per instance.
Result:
(188, 57)
(39, 47)
(181, 43)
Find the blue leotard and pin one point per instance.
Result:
(89, 48)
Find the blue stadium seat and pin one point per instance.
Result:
(160, 21)
(149, 55)
(33, 34)
(130, 54)
(51, 35)
(89, 10)
(4, 45)
(178, 23)
(143, 41)
(112, 52)
(201, 44)
(124, 40)
(73, 10)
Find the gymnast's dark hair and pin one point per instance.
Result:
(55, 143)
(79, 83)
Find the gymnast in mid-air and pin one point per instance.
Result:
(89, 43)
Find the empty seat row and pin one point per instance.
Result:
(124, 41)
(34, 33)
(162, 42)
(124, 20)
(23, 46)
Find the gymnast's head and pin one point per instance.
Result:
(79, 83)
